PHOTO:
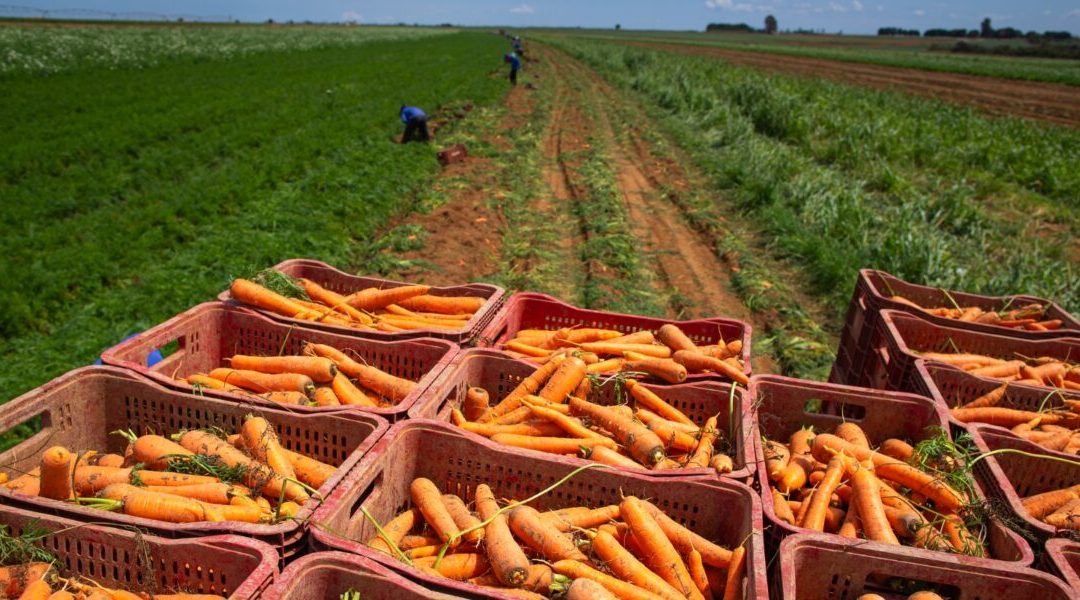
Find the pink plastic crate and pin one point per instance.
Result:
(499, 373)
(343, 283)
(725, 511)
(813, 567)
(1063, 560)
(81, 409)
(892, 363)
(784, 405)
(540, 311)
(226, 565)
(872, 292)
(209, 333)
(327, 575)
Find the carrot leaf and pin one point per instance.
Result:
(24, 548)
(280, 283)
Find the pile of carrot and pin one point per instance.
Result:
(194, 476)
(1029, 316)
(836, 483)
(1057, 508)
(630, 550)
(402, 308)
(915, 596)
(1043, 371)
(548, 411)
(40, 581)
(322, 376)
(1053, 429)
(669, 354)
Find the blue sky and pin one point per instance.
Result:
(851, 16)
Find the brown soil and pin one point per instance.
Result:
(1032, 100)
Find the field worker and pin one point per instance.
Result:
(515, 66)
(415, 121)
(517, 47)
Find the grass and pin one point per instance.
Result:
(836, 192)
(130, 195)
(869, 50)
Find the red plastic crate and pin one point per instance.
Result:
(343, 283)
(209, 333)
(815, 568)
(725, 511)
(784, 405)
(950, 387)
(540, 311)
(227, 565)
(1016, 476)
(1062, 558)
(872, 291)
(327, 575)
(499, 373)
(891, 364)
(81, 409)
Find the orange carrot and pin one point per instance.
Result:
(156, 452)
(734, 582)
(374, 298)
(671, 436)
(674, 338)
(781, 508)
(394, 530)
(262, 442)
(852, 433)
(542, 536)
(263, 382)
(587, 589)
(529, 385)
(14, 579)
(36, 590)
(451, 305)
(334, 300)
(320, 370)
(867, 500)
(702, 454)
(622, 589)
(777, 456)
(427, 498)
(587, 519)
(637, 337)
(898, 449)
(649, 399)
(553, 445)
(567, 424)
(376, 380)
(685, 540)
(258, 477)
(610, 365)
(57, 464)
(348, 394)
(608, 348)
(1006, 369)
(507, 559)
(608, 456)
(665, 369)
(89, 480)
(137, 502)
(1040, 505)
(248, 292)
(476, 403)
(463, 518)
(819, 501)
(696, 361)
(213, 493)
(644, 445)
(659, 552)
(624, 565)
(325, 396)
(564, 380)
(199, 381)
(698, 574)
(460, 567)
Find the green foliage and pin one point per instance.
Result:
(127, 196)
(23, 548)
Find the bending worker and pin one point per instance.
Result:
(415, 121)
(515, 66)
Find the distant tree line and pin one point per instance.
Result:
(986, 31)
(898, 31)
(712, 27)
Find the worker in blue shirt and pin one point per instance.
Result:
(415, 121)
(518, 49)
(515, 66)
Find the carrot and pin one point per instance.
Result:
(394, 530)
(451, 305)
(587, 589)
(685, 540)
(463, 518)
(522, 429)
(898, 449)
(199, 380)
(671, 436)
(733, 584)
(325, 396)
(15, 578)
(624, 565)
(662, 368)
(961, 359)
(611, 365)
(867, 500)
(674, 338)
(617, 349)
(262, 442)
(459, 567)
(373, 298)
(660, 553)
(696, 361)
(621, 589)
(852, 433)
(213, 493)
(698, 574)
(427, 498)
(320, 370)
(346, 393)
(777, 456)
(649, 399)
(924, 596)
(258, 477)
(567, 424)
(263, 382)
(852, 525)
(90, 480)
(587, 519)
(1004, 417)
(584, 389)
(376, 380)
(156, 452)
(991, 398)
(564, 380)
(334, 300)
(644, 445)
(526, 349)
(542, 536)
(248, 292)
(1006, 369)
(476, 403)
(1067, 516)
(137, 502)
(1040, 505)
(66, 595)
(529, 385)
(702, 454)
(551, 445)
(57, 464)
(36, 590)
(637, 337)
(507, 559)
(819, 501)
(608, 456)
(782, 509)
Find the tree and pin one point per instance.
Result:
(987, 30)
(770, 24)
(618, 27)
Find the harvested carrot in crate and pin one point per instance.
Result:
(667, 355)
(1040, 371)
(1031, 317)
(194, 475)
(322, 376)
(549, 411)
(625, 550)
(42, 581)
(403, 308)
(1053, 429)
(1057, 508)
(837, 483)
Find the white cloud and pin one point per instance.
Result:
(718, 3)
(856, 6)
(740, 7)
(920, 12)
(351, 16)
(837, 7)
(524, 9)
(1073, 13)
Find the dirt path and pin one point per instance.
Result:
(1032, 100)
